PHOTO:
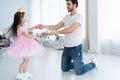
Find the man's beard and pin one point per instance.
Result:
(70, 10)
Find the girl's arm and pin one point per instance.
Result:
(32, 28)
(30, 36)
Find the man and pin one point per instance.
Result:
(72, 53)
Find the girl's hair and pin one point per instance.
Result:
(16, 22)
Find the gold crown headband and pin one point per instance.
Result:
(20, 9)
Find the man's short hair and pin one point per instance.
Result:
(74, 2)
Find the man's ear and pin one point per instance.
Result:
(75, 5)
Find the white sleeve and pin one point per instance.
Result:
(79, 19)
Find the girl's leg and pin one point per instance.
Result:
(26, 74)
(26, 63)
(23, 65)
(22, 70)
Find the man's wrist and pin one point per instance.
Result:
(58, 32)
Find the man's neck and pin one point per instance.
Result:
(73, 12)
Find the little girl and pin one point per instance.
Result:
(24, 45)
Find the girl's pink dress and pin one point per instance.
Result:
(23, 46)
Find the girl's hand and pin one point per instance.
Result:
(37, 26)
(37, 38)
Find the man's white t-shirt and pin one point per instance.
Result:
(74, 38)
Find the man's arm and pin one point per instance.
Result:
(67, 30)
(53, 27)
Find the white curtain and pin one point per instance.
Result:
(52, 11)
(110, 26)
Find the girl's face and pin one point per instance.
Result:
(24, 19)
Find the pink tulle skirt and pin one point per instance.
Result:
(24, 47)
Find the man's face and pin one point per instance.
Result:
(69, 6)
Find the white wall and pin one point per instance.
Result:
(35, 12)
(8, 9)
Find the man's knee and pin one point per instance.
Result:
(64, 69)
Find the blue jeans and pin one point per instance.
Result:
(75, 54)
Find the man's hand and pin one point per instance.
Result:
(41, 26)
(53, 32)
(37, 26)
